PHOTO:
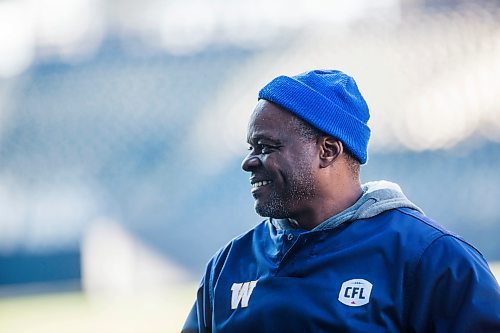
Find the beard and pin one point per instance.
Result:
(289, 199)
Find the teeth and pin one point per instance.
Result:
(262, 183)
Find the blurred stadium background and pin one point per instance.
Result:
(122, 128)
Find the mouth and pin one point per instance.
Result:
(256, 185)
(259, 185)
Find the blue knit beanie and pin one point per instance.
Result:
(328, 100)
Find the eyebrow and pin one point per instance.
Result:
(257, 138)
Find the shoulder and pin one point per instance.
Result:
(444, 261)
(438, 234)
(418, 238)
(240, 245)
(418, 229)
(451, 279)
(261, 231)
(445, 276)
(424, 222)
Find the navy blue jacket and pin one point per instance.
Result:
(397, 271)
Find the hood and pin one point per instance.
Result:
(377, 197)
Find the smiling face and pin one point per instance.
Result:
(282, 162)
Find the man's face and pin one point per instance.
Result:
(281, 162)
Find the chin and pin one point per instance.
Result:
(272, 210)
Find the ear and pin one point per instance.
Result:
(329, 149)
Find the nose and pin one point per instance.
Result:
(250, 162)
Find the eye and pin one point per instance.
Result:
(262, 148)
(265, 149)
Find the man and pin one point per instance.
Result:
(335, 255)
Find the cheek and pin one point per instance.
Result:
(273, 162)
(305, 161)
(299, 172)
(292, 164)
(304, 174)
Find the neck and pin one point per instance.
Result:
(335, 199)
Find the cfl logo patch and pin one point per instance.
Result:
(355, 292)
(241, 293)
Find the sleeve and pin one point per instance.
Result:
(455, 290)
(191, 323)
(199, 318)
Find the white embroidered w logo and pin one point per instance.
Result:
(241, 293)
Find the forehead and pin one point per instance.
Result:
(271, 121)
